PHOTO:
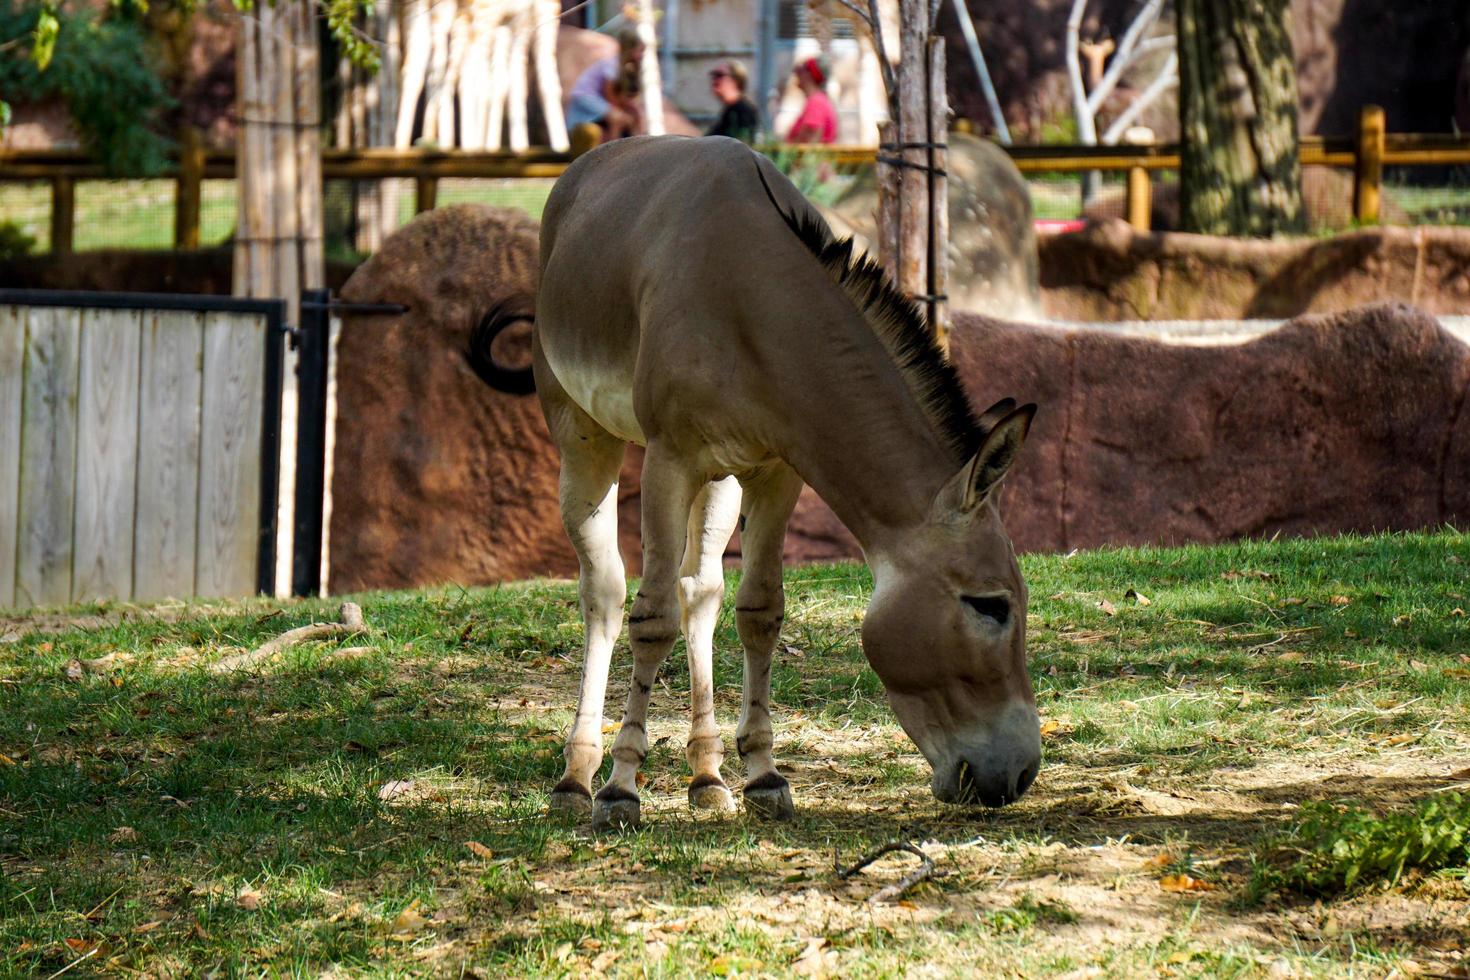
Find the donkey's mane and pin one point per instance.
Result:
(896, 322)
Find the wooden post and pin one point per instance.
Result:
(888, 195)
(426, 191)
(308, 147)
(188, 189)
(913, 129)
(1140, 198)
(63, 214)
(938, 251)
(1368, 170)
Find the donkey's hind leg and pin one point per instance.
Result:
(701, 590)
(590, 460)
(760, 608)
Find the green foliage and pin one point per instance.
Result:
(1335, 848)
(14, 242)
(98, 67)
(1028, 912)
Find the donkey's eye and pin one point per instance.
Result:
(996, 607)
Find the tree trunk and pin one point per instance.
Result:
(1240, 172)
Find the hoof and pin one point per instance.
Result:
(769, 798)
(616, 810)
(708, 793)
(570, 806)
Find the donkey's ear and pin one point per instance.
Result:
(995, 413)
(968, 488)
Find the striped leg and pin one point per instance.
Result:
(701, 590)
(591, 458)
(760, 606)
(668, 492)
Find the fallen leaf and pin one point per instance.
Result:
(80, 946)
(1340, 600)
(1138, 597)
(6, 760)
(1392, 740)
(148, 926)
(1457, 611)
(103, 665)
(1401, 620)
(1160, 860)
(409, 921)
(1462, 774)
(479, 850)
(1184, 883)
(394, 787)
(1458, 672)
(1290, 655)
(249, 899)
(1294, 601)
(1107, 607)
(605, 959)
(122, 835)
(74, 670)
(812, 961)
(1050, 727)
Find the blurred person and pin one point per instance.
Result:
(739, 118)
(595, 99)
(818, 120)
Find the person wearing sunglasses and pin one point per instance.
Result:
(739, 118)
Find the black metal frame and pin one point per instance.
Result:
(274, 311)
(313, 343)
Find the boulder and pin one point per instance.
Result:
(435, 477)
(1108, 272)
(992, 235)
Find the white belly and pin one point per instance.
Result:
(606, 397)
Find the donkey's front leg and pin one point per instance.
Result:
(701, 590)
(668, 491)
(760, 606)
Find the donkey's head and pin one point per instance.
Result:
(946, 632)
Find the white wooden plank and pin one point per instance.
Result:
(107, 455)
(168, 454)
(12, 377)
(229, 455)
(48, 456)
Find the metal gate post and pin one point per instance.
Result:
(315, 339)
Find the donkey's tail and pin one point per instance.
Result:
(512, 381)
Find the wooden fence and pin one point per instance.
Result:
(1366, 152)
(137, 446)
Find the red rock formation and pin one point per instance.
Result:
(1349, 421)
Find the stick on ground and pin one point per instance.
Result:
(889, 892)
(350, 623)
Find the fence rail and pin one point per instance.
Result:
(1366, 152)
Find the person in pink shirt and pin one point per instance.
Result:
(818, 120)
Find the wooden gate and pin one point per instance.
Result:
(139, 446)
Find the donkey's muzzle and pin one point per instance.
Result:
(995, 787)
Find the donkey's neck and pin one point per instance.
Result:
(860, 439)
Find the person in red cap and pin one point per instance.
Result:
(818, 120)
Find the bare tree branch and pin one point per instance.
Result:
(1167, 78)
(1086, 124)
(859, 12)
(1127, 51)
(890, 87)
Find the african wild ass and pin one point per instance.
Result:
(685, 308)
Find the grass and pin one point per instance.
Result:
(316, 817)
